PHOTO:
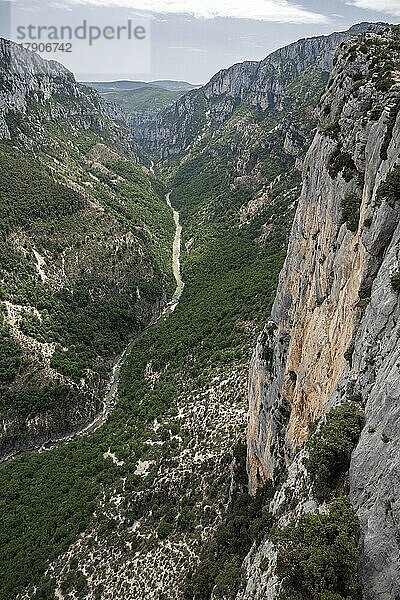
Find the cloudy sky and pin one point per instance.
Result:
(193, 39)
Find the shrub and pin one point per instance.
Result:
(268, 356)
(333, 130)
(341, 162)
(228, 581)
(389, 190)
(351, 211)
(187, 519)
(348, 355)
(318, 556)
(384, 84)
(331, 446)
(394, 111)
(219, 572)
(10, 356)
(375, 113)
(164, 529)
(395, 281)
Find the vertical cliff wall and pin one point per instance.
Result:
(334, 329)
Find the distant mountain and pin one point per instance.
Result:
(104, 86)
(140, 98)
(173, 85)
(144, 101)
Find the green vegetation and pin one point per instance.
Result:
(94, 254)
(10, 357)
(308, 86)
(348, 355)
(390, 123)
(217, 234)
(209, 322)
(383, 59)
(27, 194)
(209, 331)
(48, 499)
(389, 190)
(350, 206)
(331, 446)
(318, 556)
(332, 130)
(143, 100)
(220, 568)
(395, 281)
(384, 84)
(230, 284)
(341, 162)
(43, 508)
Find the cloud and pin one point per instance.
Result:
(281, 11)
(390, 7)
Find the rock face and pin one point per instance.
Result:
(258, 85)
(334, 328)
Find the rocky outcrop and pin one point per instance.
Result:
(334, 328)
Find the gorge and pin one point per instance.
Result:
(285, 183)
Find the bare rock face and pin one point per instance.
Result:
(334, 329)
(26, 76)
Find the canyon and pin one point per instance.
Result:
(252, 448)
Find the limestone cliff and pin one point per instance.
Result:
(257, 85)
(334, 328)
(34, 92)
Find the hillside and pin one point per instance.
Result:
(84, 242)
(163, 84)
(142, 98)
(147, 100)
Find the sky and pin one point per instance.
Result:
(180, 39)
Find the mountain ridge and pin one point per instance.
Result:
(259, 82)
(167, 84)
